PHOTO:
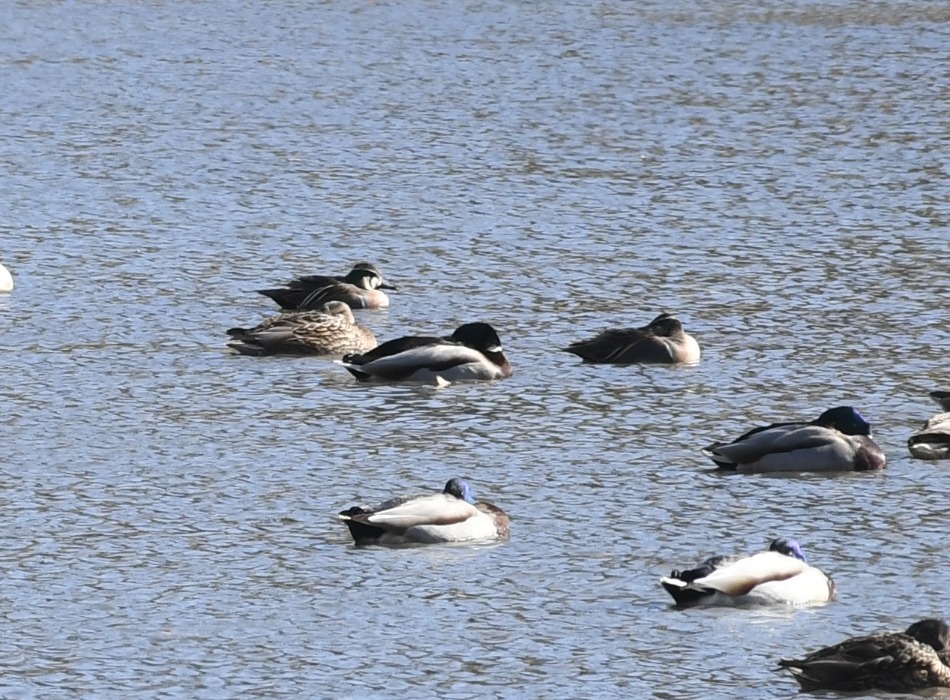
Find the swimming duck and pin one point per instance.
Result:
(360, 288)
(933, 440)
(890, 661)
(6, 280)
(330, 331)
(472, 352)
(450, 516)
(941, 397)
(662, 340)
(838, 440)
(779, 575)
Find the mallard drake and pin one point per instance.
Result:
(450, 516)
(662, 340)
(6, 280)
(330, 331)
(838, 440)
(933, 440)
(779, 575)
(941, 397)
(472, 352)
(360, 288)
(891, 661)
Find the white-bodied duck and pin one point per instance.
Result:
(6, 280)
(360, 288)
(450, 516)
(838, 440)
(933, 440)
(780, 575)
(662, 340)
(330, 331)
(472, 352)
(896, 662)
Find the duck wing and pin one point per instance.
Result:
(741, 576)
(437, 509)
(773, 441)
(623, 345)
(430, 358)
(292, 294)
(392, 347)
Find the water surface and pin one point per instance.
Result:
(773, 173)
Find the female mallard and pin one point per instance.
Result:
(780, 575)
(933, 440)
(329, 331)
(472, 352)
(450, 516)
(6, 280)
(838, 440)
(662, 340)
(897, 662)
(360, 288)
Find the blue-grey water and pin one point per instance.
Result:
(775, 173)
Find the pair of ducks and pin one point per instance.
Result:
(915, 659)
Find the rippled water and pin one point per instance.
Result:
(774, 173)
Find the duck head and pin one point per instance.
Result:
(367, 276)
(789, 547)
(478, 336)
(460, 489)
(665, 325)
(931, 631)
(845, 420)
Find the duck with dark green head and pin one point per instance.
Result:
(838, 440)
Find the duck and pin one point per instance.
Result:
(472, 352)
(941, 397)
(780, 575)
(663, 340)
(897, 662)
(6, 280)
(331, 330)
(361, 288)
(933, 440)
(450, 516)
(838, 440)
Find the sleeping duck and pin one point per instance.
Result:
(450, 516)
(331, 330)
(898, 662)
(838, 440)
(662, 340)
(360, 288)
(472, 352)
(933, 440)
(779, 575)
